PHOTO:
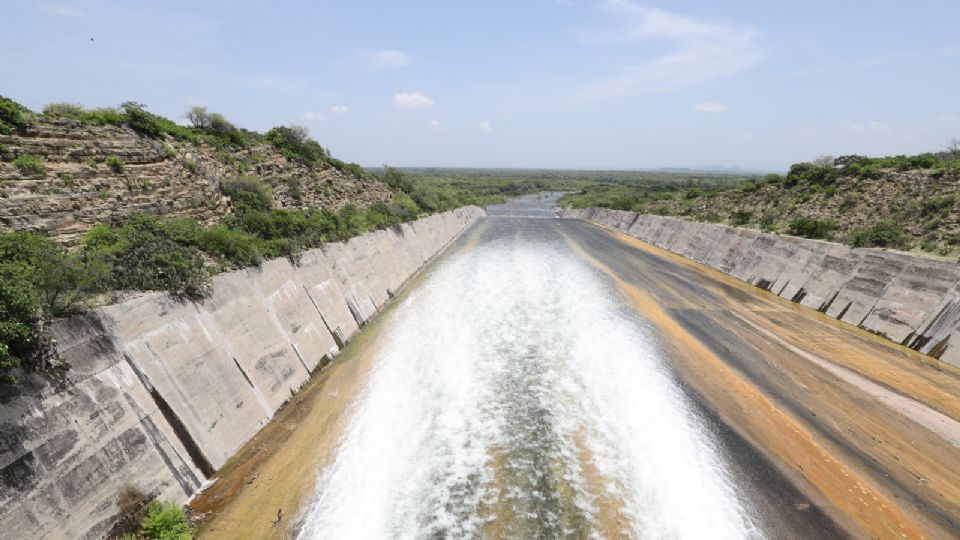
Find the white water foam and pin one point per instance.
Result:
(512, 349)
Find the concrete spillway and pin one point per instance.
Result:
(543, 378)
(517, 397)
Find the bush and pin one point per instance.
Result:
(64, 110)
(145, 255)
(295, 143)
(248, 193)
(191, 166)
(239, 247)
(885, 234)
(812, 228)
(116, 164)
(38, 280)
(167, 521)
(30, 164)
(12, 115)
(741, 217)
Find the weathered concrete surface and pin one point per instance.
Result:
(912, 300)
(161, 393)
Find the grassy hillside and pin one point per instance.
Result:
(903, 202)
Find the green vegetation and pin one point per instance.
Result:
(164, 521)
(883, 234)
(116, 164)
(30, 164)
(653, 191)
(13, 116)
(39, 280)
(812, 228)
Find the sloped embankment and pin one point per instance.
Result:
(161, 393)
(912, 300)
(102, 174)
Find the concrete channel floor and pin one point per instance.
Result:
(864, 429)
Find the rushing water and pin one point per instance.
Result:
(515, 396)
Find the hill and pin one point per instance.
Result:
(911, 203)
(67, 169)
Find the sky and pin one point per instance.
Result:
(596, 84)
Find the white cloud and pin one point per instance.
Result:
(388, 58)
(435, 125)
(412, 100)
(313, 116)
(702, 50)
(59, 10)
(486, 127)
(339, 109)
(710, 107)
(876, 126)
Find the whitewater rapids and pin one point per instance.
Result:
(516, 396)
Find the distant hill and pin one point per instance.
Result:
(911, 203)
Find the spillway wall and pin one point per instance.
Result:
(160, 393)
(912, 300)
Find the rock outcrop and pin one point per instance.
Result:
(161, 393)
(79, 188)
(909, 299)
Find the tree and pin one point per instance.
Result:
(198, 117)
(953, 146)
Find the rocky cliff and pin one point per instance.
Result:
(94, 174)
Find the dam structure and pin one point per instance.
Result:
(544, 376)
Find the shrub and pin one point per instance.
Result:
(938, 205)
(248, 193)
(67, 179)
(145, 255)
(167, 521)
(811, 174)
(104, 116)
(812, 228)
(848, 202)
(12, 115)
(116, 164)
(30, 164)
(883, 233)
(294, 189)
(239, 247)
(38, 280)
(295, 143)
(191, 166)
(64, 110)
(741, 217)
(4, 152)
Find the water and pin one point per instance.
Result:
(516, 396)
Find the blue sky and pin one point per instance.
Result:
(523, 83)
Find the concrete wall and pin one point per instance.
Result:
(912, 300)
(160, 394)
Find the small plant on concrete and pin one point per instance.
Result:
(30, 164)
(167, 521)
(116, 164)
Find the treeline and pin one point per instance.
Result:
(647, 192)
